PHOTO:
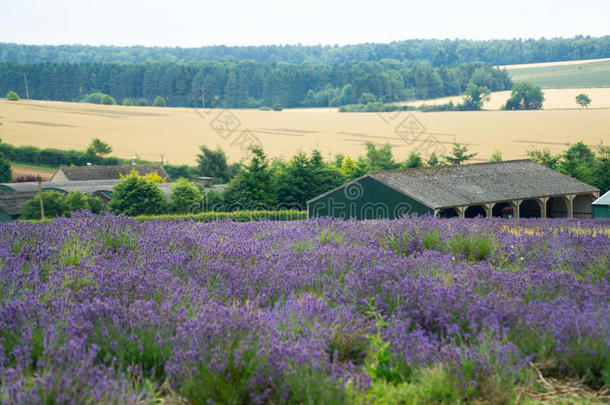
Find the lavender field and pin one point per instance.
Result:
(104, 309)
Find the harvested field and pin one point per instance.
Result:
(20, 171)
(177, 132)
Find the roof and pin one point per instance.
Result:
(603, 200)
(477, 183)
(113, 172)
(12, 203)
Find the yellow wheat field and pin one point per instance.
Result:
(177, 132)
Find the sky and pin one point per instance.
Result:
(262, 22)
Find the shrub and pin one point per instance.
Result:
(98, 98)
(137, 195)
(107, 100)
(185, 197)
(237, 216)
(159, 102)
(127, 101)
(6, 173)
(264, 108)
(277, 107)
(12, 96)
(142, 102)
(55, 205)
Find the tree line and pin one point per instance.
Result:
(247, 84)
(436, 52)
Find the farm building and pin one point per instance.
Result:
(86, 173)
(516, 188)
(11, 204)
(601, 206)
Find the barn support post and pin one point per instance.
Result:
(569, 199)
(542, 203)
(516, 204)
(489, 209)
(436, 212)
(461, 210)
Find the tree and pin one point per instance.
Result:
(544, 157)
(142, 102)
(136, 195)
(12, 96)
(525, 96)
(252, 188)
(6, 174)
(351, 170)
(576, 161)
(127, 101)
(159, 102)
(459, 154)
(413, 161)
(304, 178)
(185, 197)
(474, 97)
(213, 163)
(583, 100)
(55, 205)
(98, 148)
(433, 160)
(378, 159)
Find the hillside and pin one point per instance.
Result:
(177, 132)
(592, 73)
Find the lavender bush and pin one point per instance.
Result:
(104, 309)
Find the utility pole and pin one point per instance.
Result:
(40, 194)
(25, 81)
(162, 158)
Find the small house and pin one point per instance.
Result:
(601, 206)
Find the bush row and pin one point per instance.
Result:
(55, 157)
(237, 216)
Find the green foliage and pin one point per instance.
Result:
(578, 75)
(474, 97)
(264, 108)
(6, 174)
(582, 100)
(185, 197)
(58, 204)
(304, 178)
(433, 160)
(276, 107)
(378, 159)
(136, 195)
(127, 101)
(213, 163)
(525, 96)
(98, 148)
(459, 154)
(496, 156)
(237, 216)
(213, 201)
(351, 170)
(253, 188)
(54, 157)
(159, 102)
(54, 205)
(579, 162)
(142, 102)
(413, 161)
(98, 98)
(107, 100)
(12, 96)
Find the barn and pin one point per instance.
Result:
(111, 172)
(601, 206)
(515, 188)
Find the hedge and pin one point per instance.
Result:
(237, 216)
(55, 157)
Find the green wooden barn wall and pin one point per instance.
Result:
(601, 211)
(4, 217)
(366, 199)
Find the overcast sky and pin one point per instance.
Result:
(257, 22)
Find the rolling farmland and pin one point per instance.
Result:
(590, 73)
(177, 132)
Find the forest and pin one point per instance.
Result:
(448, 52)
(247, 84)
